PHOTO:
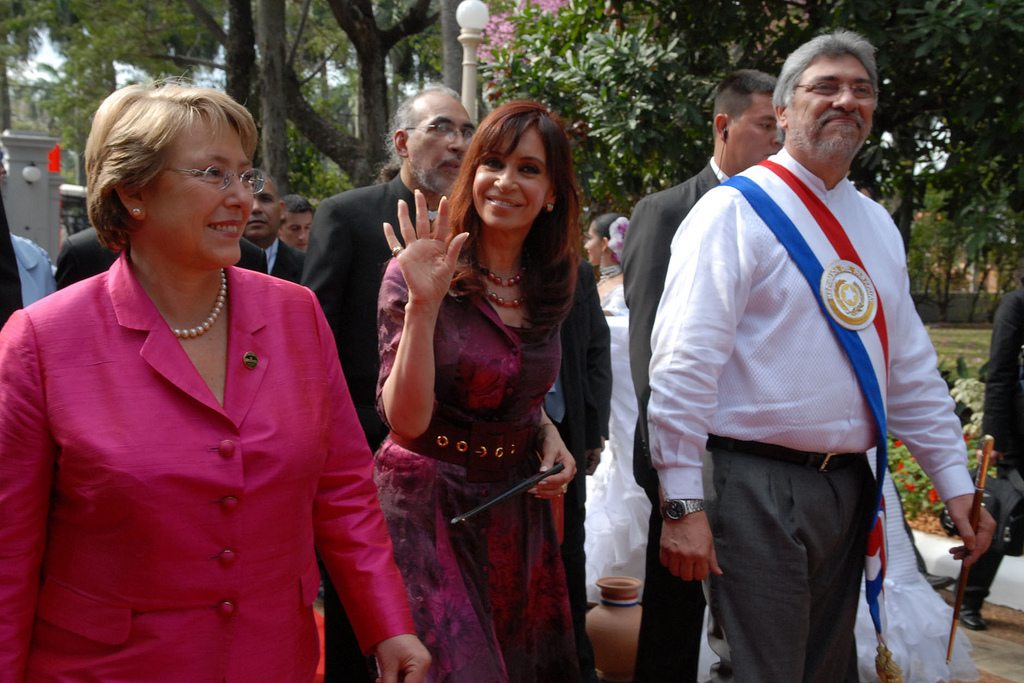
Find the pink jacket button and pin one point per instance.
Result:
(229, 503)
(226, 608)
(227, 557)
(226, 449)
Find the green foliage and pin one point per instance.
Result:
(309, 173)
(912, 483)
(608, 76)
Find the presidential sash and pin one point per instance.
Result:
(843, 289)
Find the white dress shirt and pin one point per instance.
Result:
(741, 348)
(271, 253)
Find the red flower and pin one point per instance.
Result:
(897, 443)
(933, 496)
(910, 487)
(899, 468)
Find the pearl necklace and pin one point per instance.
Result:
(218, 306)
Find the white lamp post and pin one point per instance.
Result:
(472, 16)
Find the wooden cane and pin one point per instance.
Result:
(979, 491)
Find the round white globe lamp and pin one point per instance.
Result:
(472, 16)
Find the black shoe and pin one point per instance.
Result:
(972, 620)
(939, 582)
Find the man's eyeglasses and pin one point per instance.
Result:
(252, 180)
(862, 91)
(448, 130)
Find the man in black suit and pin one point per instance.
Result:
(345, 262)
(10, 283)
(83, 255)
(745, 134)
(578, 404)
(283, 260)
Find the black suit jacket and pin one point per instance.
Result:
(344, 266)
(10, 281)
(288, 264)
(586, 373)
(645, 257)
(1001, 419)
(83, 255)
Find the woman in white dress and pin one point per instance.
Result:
(617, 509)
(917, 619)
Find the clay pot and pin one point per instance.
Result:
(614, 628)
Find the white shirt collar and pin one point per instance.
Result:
(271, 252)
(722, 177)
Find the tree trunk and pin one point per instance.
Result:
(338, 146)
(451, 48)
(356, 19)
(240, 53)
(270, 29)
(5, 95)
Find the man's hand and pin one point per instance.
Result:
(594, 457)
(687, 548)
(402, 658)
(975, 543)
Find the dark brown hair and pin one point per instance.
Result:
(550, 249)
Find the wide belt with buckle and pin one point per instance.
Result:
(825, 462)
(488, 450)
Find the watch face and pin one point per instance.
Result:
(675, 509)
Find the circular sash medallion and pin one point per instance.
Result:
(849, 295)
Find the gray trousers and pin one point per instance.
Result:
(790, 541)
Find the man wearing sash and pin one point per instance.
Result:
(786, 344)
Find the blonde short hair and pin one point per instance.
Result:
(130, 135)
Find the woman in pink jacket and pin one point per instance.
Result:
(176, 435)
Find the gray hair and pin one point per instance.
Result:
(839, 43)
(403, 117)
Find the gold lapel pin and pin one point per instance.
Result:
(250, 360)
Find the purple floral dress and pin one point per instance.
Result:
(488, 595)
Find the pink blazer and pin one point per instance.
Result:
(149, 534)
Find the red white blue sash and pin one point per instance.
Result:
(840, 283)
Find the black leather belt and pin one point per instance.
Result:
(825, 462)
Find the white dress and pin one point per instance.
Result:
(617, 509)
(918, 619)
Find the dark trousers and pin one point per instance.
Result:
(574, 560)
(673, 614)
(790, 541)
(344, 661)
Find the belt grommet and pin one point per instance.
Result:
(462, 447)
(442, 441)
(482, 451)
(498, 452)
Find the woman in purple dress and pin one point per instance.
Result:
(468, 325)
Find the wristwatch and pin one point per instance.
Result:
(679, 508)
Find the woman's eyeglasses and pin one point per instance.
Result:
(252, 180)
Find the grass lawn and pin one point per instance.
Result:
(969, 341)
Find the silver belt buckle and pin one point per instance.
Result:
(824, 463)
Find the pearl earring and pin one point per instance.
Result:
(550, 207)
(136, 211)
